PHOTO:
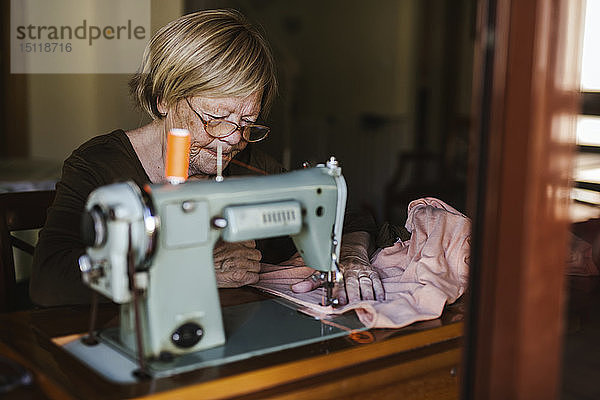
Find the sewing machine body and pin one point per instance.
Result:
(168, 235)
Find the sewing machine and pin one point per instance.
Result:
(151, 250)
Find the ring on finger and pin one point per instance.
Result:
(364, 275)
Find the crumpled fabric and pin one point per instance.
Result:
(419, 275)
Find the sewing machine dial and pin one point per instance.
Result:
(118, 221)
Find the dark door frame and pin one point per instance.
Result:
(525, 99)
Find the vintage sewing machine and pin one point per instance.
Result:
(151, 251)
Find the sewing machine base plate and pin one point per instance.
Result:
(251, 329)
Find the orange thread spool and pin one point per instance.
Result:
(178, 156)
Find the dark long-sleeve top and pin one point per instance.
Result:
(106, 159)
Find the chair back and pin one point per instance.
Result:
(18, 211)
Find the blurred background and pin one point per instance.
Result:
(385, 89)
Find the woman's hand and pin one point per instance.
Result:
(236, 264)
(361, 282)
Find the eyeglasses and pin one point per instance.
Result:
(220, 128)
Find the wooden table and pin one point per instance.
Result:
(419, 361)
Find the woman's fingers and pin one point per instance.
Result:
(358, 285)
(340, 294)
(366, 288)
(378, 287)
(236, 264)
(352, 286)
(311, 283)
(362, 282)
(236, 278)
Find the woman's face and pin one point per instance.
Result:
(203, 149)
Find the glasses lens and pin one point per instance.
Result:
(220, 128)
(255, 133)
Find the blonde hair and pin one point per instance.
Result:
(212, 53)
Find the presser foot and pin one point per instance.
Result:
(329, 299)
(328, 282)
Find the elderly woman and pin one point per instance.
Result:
(212, 73)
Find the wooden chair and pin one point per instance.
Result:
(18, 211)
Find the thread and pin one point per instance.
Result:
(219, 177)
(178, 156)
(362, 337)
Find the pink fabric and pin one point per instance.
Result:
(419, 275)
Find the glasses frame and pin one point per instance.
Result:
(237, 127)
